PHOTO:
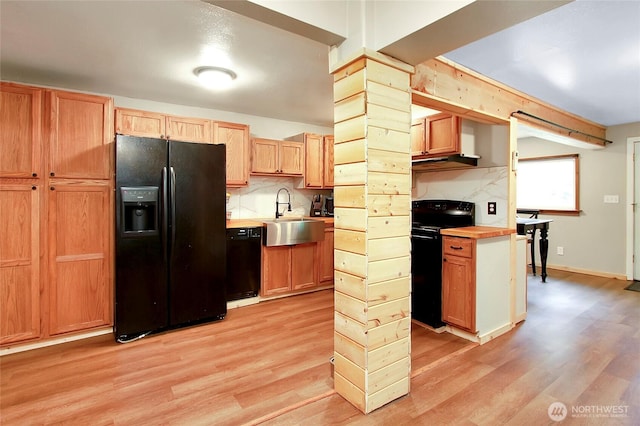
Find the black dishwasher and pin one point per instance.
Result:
(244, 246)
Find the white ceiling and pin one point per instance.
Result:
(583, 57)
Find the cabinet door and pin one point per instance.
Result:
(264, 156)
(328, 161)
(313, 161)
(80, 260)
(291, 158)
(189, 129)
(417, 138)
(276, 270)
(19, 262)
(304, 267)
(81, 135)
(458, 292)
(325, 253)
(20, 134)
(140, 123)
(442, 133)
(236, 138)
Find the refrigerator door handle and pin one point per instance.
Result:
(173, 208)
(165, 210)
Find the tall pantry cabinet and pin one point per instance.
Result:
(56, 212)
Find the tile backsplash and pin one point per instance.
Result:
(258, 200)
(478, 185)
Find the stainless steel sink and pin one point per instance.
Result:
(287, 231)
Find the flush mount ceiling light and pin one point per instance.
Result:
(215, 77)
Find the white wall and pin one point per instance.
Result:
(595, 240)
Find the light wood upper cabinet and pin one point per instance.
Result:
(189, 129)
(20, 131)
(80, 135)
(291, 158)
(276, 157)
(19, 262)
(418, 146)
(438, 135)
(236, 138)
(313, 161)
(140, 123)
(318, 160)
(328, 161)
(163, 126)
(80, 255)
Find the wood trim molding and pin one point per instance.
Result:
(443, 84)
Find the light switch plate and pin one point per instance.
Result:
(611, 199)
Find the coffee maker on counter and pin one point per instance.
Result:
(327, 209)
(321, 205)
(316, 206)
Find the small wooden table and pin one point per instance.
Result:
(526, 226)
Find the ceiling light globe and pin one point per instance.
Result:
(215, 77)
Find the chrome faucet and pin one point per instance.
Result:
(278, 214)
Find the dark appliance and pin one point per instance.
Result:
(244, 247)
(170, 235)
(316, 206)
(328, 206)
(428, 218)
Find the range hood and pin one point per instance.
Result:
(446, 162)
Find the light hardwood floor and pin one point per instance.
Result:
(268, 363)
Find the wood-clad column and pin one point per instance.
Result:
(372, 231)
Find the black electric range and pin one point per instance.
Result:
(428, 218)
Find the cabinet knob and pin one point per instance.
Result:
(34, 174)
(33, 188)
(52, 174)
(53, 188)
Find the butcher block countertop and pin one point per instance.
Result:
(477, 232)
(244, 223)
(258, 222)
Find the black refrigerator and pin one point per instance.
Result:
(170, 235)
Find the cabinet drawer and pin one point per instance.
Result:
(455, 246)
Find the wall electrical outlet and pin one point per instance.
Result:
(560, 250)
(491, 207)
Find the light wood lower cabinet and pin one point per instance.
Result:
(476, 289)
(287, 269)
(19, 261)
(80, 256)
(325, 254)
(458, 283)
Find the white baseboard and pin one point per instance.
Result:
(480, 339)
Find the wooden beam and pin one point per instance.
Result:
(442, 84)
